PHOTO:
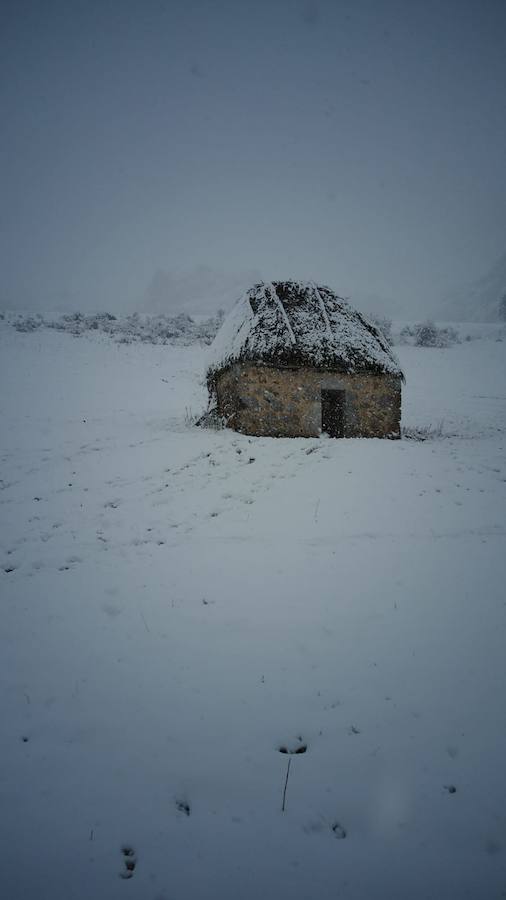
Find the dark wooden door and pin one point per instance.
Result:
(333, 412)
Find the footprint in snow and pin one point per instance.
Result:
(111, 610)
(450, 788)
(129, 862)
(183, 806)
(294, 748)
(339, 832)
(71, 560)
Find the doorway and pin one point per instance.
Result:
(333, 412)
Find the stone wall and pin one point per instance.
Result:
(261, 400)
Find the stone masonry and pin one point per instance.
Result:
(286, 402)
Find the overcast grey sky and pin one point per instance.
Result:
(358, 142)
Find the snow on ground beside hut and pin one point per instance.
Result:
(178, 604)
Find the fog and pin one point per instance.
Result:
(163, 154)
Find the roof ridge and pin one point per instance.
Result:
(324, 312)
(283, 313)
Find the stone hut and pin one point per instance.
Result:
(293, 359)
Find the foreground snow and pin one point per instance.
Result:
(177, 604)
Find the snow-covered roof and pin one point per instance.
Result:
(300, 323)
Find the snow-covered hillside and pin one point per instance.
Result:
(180, 607)
(479, 301)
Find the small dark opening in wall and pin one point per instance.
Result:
(333, 412)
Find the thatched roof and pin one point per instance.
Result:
(287, 323)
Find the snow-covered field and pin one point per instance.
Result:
(178, 604)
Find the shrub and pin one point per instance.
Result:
(423, 432)
(180, 330)
(28, 323)
(211, 419)
(425, 334)
(406, 334)
(428, 334)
